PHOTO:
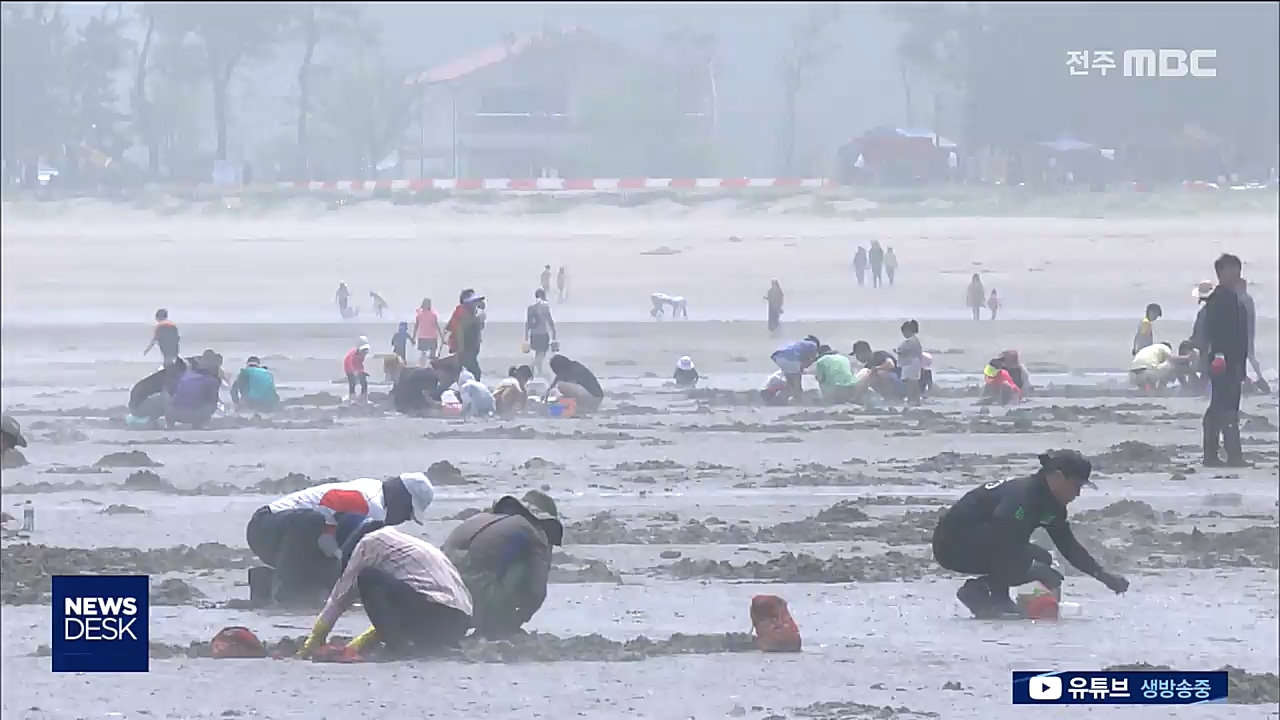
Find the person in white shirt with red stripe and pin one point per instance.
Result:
(302, 534)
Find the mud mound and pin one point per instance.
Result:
(1132, 456)
(952, 462)
(851, 711)
(567, 569)
(1134, 510)
(444, 473)
(175, 591)
(163, 441)
(1257, 546)
(320, 399)
(522, 648)
(25, 570)
(843, 511)
(145, 480)
(13, 459)
(649, 465)
(817, 475)
(122, 510)
(127, 459)
(805, 568)
(540, 463)
(1243, 687)
(603, 528)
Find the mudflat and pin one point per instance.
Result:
(679, 505)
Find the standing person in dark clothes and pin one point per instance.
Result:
(504, 556)
(860, 265)
(988, 533)
(540, 327)
(465, 329)
(876, 256)
(1226, 331)
(166, 337)
(774, 298)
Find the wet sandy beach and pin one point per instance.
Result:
(679, 505)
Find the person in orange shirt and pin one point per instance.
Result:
(426, 331)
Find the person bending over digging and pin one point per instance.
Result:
(987, 533)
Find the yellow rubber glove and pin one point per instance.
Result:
(358, 642)
(319, 634)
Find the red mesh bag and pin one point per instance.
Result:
(336, 653)
(237, 642)
(775, 630)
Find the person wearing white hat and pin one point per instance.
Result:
(302, 535)
(353, 367)
(686, 375)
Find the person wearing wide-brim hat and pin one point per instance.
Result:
(504, 556)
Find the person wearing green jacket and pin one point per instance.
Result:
(504, 557)
(834, 374)
(255, 388)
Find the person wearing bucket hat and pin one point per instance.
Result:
(504, 556)
(195, 396)
(686, 375)
(302, 535)
(10, 434)
(987, 533)
(255, 387)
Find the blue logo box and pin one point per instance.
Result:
(101, 623)
(1099, 687)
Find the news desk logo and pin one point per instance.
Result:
(100, 623)
(1162, 63)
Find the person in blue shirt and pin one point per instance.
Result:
(793, 358)
(400, 342)
(255, 388)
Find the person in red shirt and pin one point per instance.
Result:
(353, 366)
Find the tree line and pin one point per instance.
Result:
(158, 76)
(999, 74)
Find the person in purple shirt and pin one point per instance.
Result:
(793, 358)
(195, 398)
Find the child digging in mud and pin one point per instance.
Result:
(911, 360)
(512, 393)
